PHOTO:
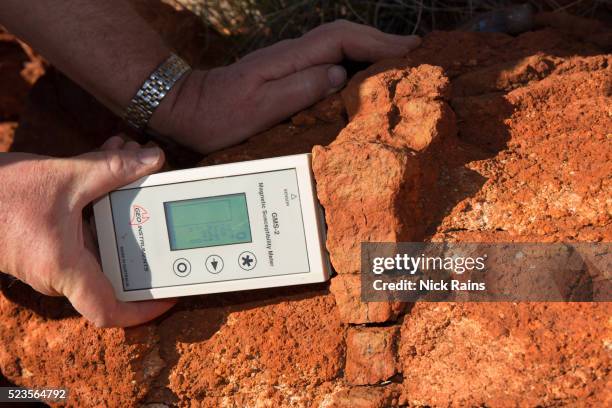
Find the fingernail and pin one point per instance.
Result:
(337, 75)
(149, 155)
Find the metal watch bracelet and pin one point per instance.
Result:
(153, 90)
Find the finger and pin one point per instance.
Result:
(131, 145)
(332, 31)
(299, 90)
(115, 142)
(92, 295)
(358, 42)
(97, 173)
(329, 44)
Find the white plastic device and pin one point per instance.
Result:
(245, 225)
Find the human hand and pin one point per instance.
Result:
(221, 107)
(44, 240)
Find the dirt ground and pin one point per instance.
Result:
(471, 138)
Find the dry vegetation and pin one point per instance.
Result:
(256, 23)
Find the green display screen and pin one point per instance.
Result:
(208, 221)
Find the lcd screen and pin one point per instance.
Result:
(208, 221)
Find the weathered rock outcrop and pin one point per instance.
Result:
(473, 137)
(20, 67)
(372, 178)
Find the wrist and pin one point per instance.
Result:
(154, 90)
(180, 115)
(162, 120)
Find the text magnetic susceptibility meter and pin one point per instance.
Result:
(221, 228)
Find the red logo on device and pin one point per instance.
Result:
(139, 215)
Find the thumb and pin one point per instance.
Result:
(288, 95)
(99, 172)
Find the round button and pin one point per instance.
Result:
(247, 260)
(181, 267)
(214, 264)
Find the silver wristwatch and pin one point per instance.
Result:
(153, 90)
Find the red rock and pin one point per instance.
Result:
(99, 367)
(369, 176)
(364, 397)
(398, 107)
(534, 186)
(371, 354)
(370, 179)
(530, 163)
(346, 289)
(580, 27)
(7, 131)
(360, 199)
(253, 347)
(484, 348)
(329, 110)
(19, 69)
(505, 76)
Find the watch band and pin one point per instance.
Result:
(153, 90)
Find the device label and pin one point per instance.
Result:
(139, 215)
(266, 223)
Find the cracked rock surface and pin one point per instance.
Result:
(473, 138)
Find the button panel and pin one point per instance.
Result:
(214, 264)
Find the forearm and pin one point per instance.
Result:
(104, 46)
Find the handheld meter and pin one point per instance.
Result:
(229, 227)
